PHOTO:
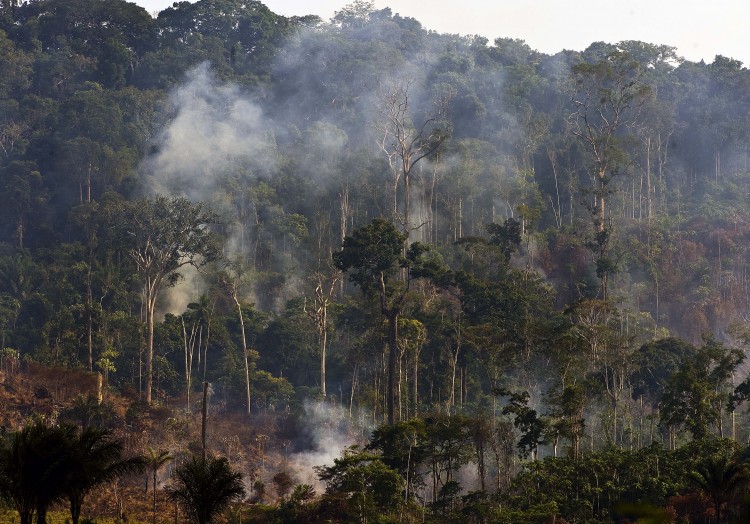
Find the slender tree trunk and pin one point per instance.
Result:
(600, 203)
(150, 309)
(407, 191)
(205, 349)
(75, 510)
(204, 420)
(244, 354)
(415, 384)
(89, 315)
(154, 487)
(355, 378)
(323, 342)
(88, 184)
(189, 342)
(392, 357)
(26, 515)
(649, 205)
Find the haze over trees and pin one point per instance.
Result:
(522, 277)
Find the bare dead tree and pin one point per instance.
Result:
(326, 282)
(405, 144)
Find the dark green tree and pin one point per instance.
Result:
(35, 464)
(403, 448)
(96, 458)
(368, 487)
(373, 256)
(532, 425)
(696, 395)
(205, 488)
(719, 477)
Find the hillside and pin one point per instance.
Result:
(420, 242)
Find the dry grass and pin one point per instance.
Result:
(251, 443)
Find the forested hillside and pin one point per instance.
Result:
(521, 279)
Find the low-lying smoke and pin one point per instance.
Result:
(330, 432)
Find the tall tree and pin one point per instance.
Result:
(606, 97)
(233, 279)
(373, 257)
(406, 143)
(161, 236)
(373, 253)
(325, 289)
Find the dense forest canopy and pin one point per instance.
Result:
(409, 224)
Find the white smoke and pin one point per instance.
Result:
(330, 431)
(175, 300)
(216, 128)
(216, 131)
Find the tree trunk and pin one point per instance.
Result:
(392, 357)
(205, 349)
(75, 510)
(323, 340)
(150, 308)
(600, 204)
(649, 206)
(407, 190)
(355, 378)
(189, 343)
(154, 487)
(204, 420)
(26, 515)
(245, 357)
(244, 354)
(415, 383)
(90, 303)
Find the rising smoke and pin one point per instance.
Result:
(215, 128)
(328, 429)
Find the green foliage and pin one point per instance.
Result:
(41, 465)
(96, 458)
(470, 308)
(369, 489)
(593, 487)
(657, 361)
(205, 487)
(720, 477)
(403, 447)
(506, 236)
(526, 419)
(696, 395)
(372, 255)
(88, 411)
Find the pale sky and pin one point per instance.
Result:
(700, 29)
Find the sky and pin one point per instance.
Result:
(698, 28)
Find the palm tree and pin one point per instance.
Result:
(34, 465)
(154, 462)
(86, 410)
(205, 487)
(719, 477)
(96, 459)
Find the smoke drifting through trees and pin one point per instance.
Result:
(277, 125)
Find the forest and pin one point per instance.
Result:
(361, 271)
